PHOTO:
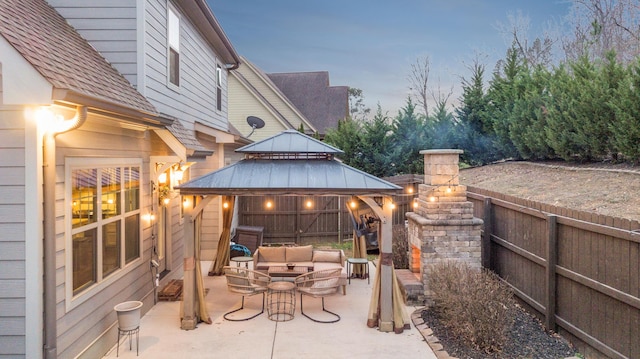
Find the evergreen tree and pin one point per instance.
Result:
(475, 129)
(408, 140)
(376, 146)
(347, 137)
(626, 105)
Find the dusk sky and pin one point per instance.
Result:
(371, 45)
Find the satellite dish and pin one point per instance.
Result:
(254, 122)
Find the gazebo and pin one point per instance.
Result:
(289, 164)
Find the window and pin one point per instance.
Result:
(105, 221)
(173, 39)
(219, 87)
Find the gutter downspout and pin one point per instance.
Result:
(49, 195)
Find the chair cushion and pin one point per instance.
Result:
(272, 254)
(326, 256)
(299, 254)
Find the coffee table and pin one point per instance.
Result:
(283, 271)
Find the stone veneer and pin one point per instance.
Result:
(442, 226)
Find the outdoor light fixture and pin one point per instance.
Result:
(432, 199)
(409, 189)
(178, 172)
(309, 203)
(162, 178)
(225, 205)
(353, 203)
(415, 203)
(448, 190)
(185, 202)
(269, 204)
(166, 200)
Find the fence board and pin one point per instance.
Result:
(597, 269)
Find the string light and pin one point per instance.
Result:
(162, 178)
(309, 203)
(225, 205)
(269, 204)
(353, 204)
(166, 200)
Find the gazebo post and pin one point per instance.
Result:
(189, 320)
(385, 214)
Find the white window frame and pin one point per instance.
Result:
(173, 42)
(75, 163)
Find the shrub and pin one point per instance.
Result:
(473, 303)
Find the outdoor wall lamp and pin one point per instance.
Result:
(162, 178)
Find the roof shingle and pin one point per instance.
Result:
(56, 50)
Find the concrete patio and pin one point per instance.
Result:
(161, 336)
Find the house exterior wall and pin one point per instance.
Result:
(110, 26)
(195, 99)
(13, 302)
(113, 27)
(87, 324)
(243, 103)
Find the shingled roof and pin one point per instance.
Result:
(310, 92)
(73, 67)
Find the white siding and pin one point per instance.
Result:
(12, 233)
(110, 27)
(85, 323)
(195, 99)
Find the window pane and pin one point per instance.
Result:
(132, 189)
(84, 195)
(110, 248)
(84, 260)
(111, 178)
(132, 238)
(174, 67)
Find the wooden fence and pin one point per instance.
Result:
(579, 271)
(327, 220)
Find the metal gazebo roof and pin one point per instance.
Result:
(289, 163)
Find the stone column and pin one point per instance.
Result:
(442, 227)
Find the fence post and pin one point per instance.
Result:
(552, 260)
(486, 239)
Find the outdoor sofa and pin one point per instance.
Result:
(307, 256)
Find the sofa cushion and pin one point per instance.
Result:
(272, 254)
(299, 254)
(326, 256)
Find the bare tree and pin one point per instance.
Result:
(540, 51)
(603, 25)
(419, 80)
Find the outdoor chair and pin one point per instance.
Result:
(319, 284)
(246, 282)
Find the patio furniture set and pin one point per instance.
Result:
(279, 272)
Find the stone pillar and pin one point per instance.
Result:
(442, 227)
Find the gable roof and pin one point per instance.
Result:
(265, 92)
(77, 72)
(310, 92)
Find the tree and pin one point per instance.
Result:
(347, 137)
(626, 105)
(376, 146)
(601, 26)
(357, 109)
(419, 82)
(539, 51)
(408, 139)
(476, 136)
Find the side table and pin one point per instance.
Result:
(242, 259)
(281, 301)
(352, 261)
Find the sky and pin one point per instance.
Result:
(371, 44)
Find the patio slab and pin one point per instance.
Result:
(161, 336)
